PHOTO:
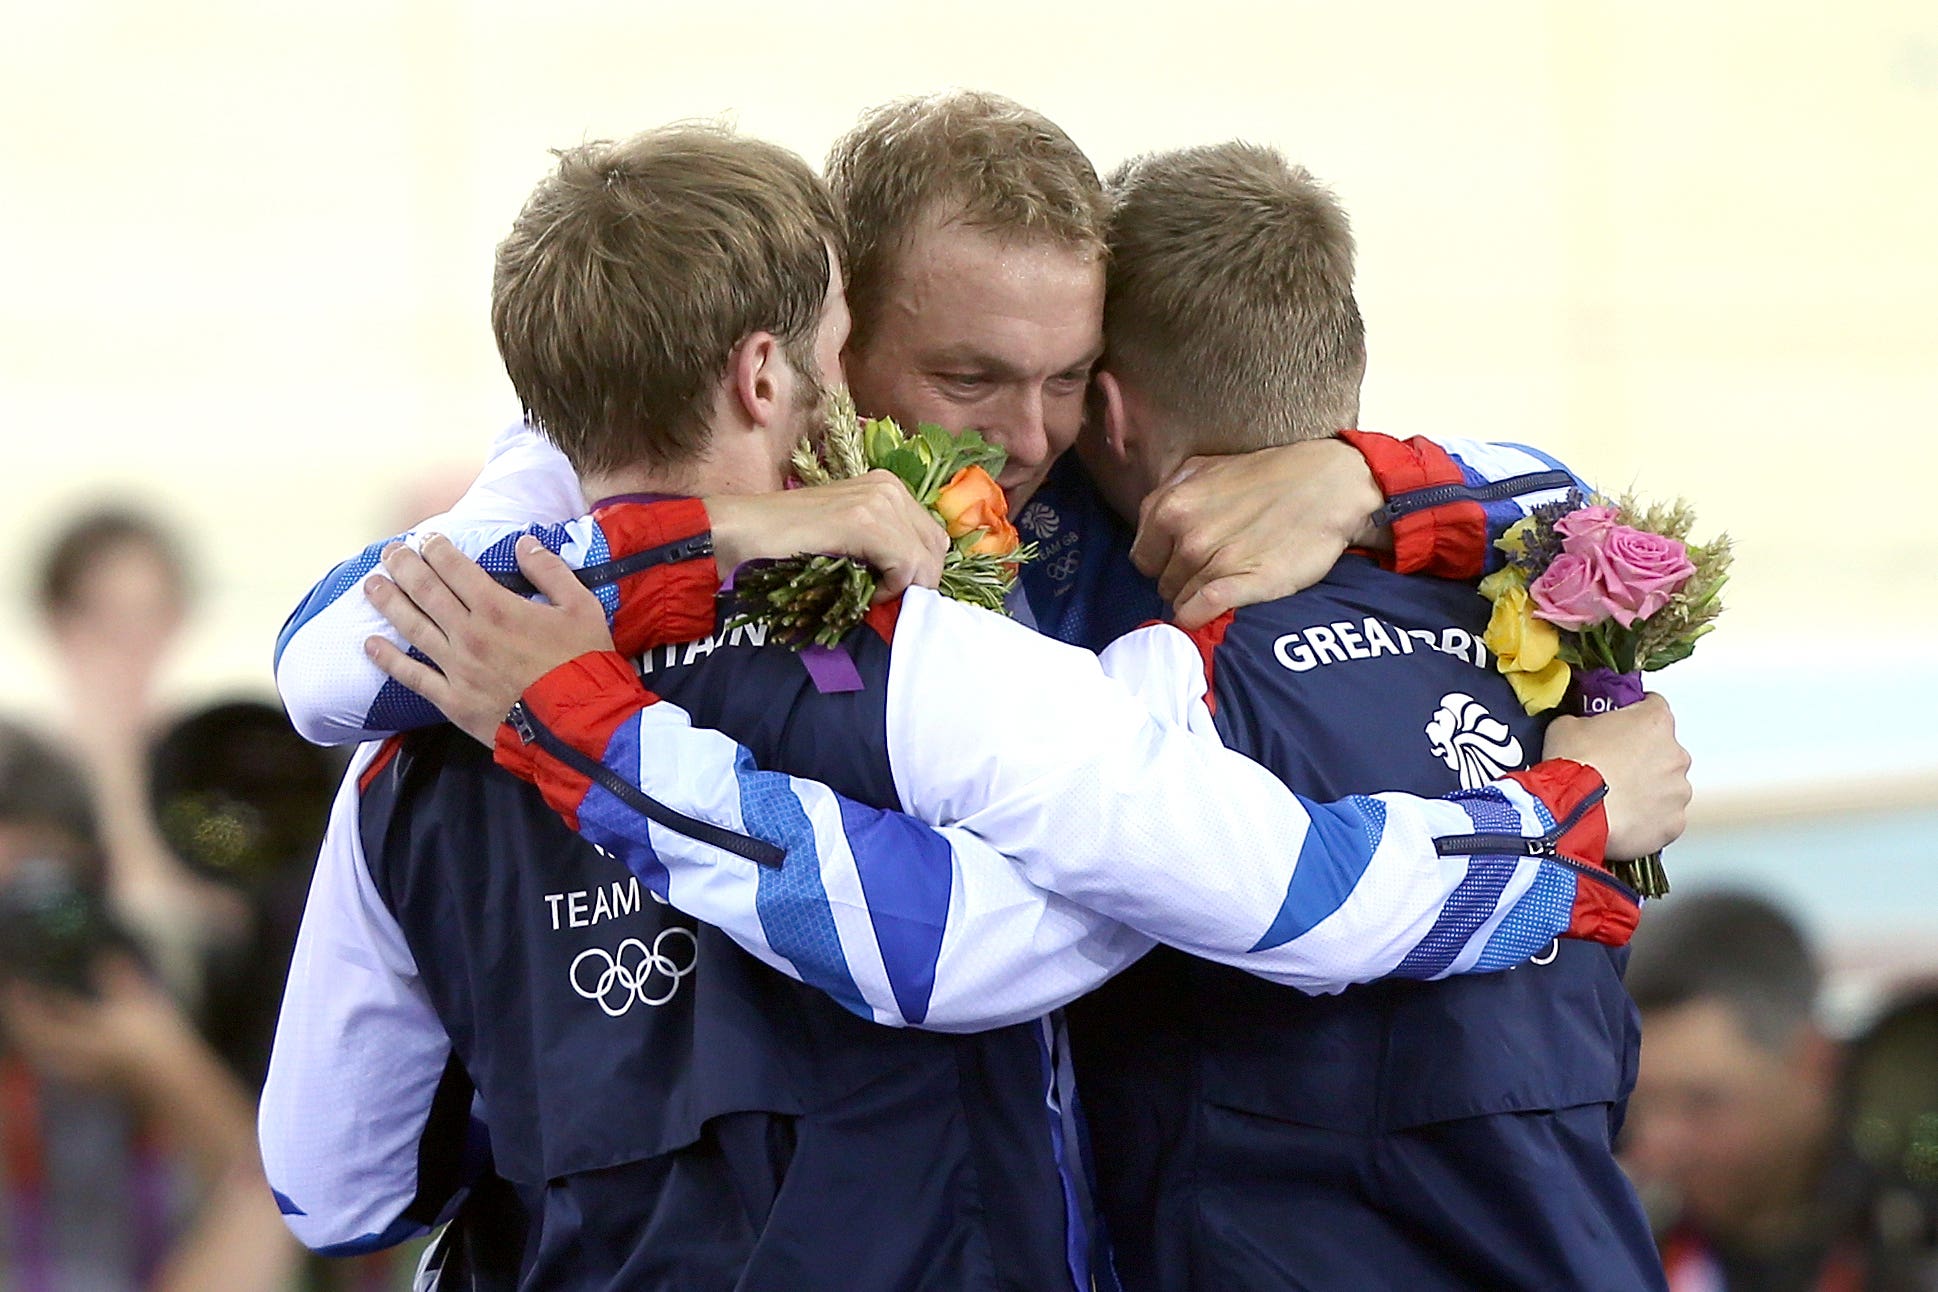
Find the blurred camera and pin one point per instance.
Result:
(240, 797)
(53, 929)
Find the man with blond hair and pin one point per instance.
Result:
(1452, 1134)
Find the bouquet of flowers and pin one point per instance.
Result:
(1594, 594)
(816, 600)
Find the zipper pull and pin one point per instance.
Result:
(521, 722)
(1542, 848)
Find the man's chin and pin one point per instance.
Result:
(1019, 492)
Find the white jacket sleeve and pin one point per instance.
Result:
(900, 922)
(333, 693)
(1103, 804)
(1136, 816)
(358, 1060)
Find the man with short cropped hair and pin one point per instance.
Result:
(1422, 1135)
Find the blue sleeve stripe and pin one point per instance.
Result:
(791, 902)
(1502, 515)
(396, 707)
(604, 819)
(333, 585)
(906, 875)
(1477, 896)
(1339, 845)
(1537, 919)
(1489, 811)
(1471, 905)
(502, 556)
(399, 1231)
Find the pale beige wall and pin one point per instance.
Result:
(1694, 246)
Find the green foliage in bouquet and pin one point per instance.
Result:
(817, 600)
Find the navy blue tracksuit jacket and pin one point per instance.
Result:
(1405, 1135)
(729, 1128)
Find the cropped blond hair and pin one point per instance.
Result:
(635, 269)
(979, 159)
(1229, 298)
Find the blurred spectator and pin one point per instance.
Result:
(113, 590)
(1737, 1132)
(113, 594)
(129, 1151)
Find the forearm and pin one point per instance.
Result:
(900, 923)
(237, 1241)
(641, 559)
(1163, 829)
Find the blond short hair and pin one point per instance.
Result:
(635, 269)
(979, 159)
(1229, 299)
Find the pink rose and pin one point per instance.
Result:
(1639, 571)
(1568, 595)
(1585, 527)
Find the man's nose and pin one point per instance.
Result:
(1021, 430)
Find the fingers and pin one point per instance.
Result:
(1204, 600)
(896, 535)
(1157, 532)
(415, 674)
(464, 577)
(552, 576)
(412, 624)
(424, 585)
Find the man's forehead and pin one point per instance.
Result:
(968, 294)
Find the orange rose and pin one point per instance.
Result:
(999, 539)
(970, 502)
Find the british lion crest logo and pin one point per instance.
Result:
(1472, 741)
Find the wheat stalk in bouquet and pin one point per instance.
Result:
(817, 599)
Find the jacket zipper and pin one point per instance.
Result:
(1547, 846)
(758, 851)
(1432, 496)
(595, 576)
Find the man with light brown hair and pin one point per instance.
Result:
(696, 239)
(1235, 312)
(976, 274)
(1428, 1135)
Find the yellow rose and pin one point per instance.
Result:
(1514, 540)
(1524, 647)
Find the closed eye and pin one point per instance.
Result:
(964, 383)
(1073, 380)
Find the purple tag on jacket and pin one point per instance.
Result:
(832, 668)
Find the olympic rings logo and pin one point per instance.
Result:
(636, 973)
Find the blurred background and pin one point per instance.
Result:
(1689, 248)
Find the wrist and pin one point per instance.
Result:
(1573, 793)
(578, 705)
(731, 518)
(1356, 488)
(669, 598)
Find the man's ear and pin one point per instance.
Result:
(1116, 423)
(756, 380)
